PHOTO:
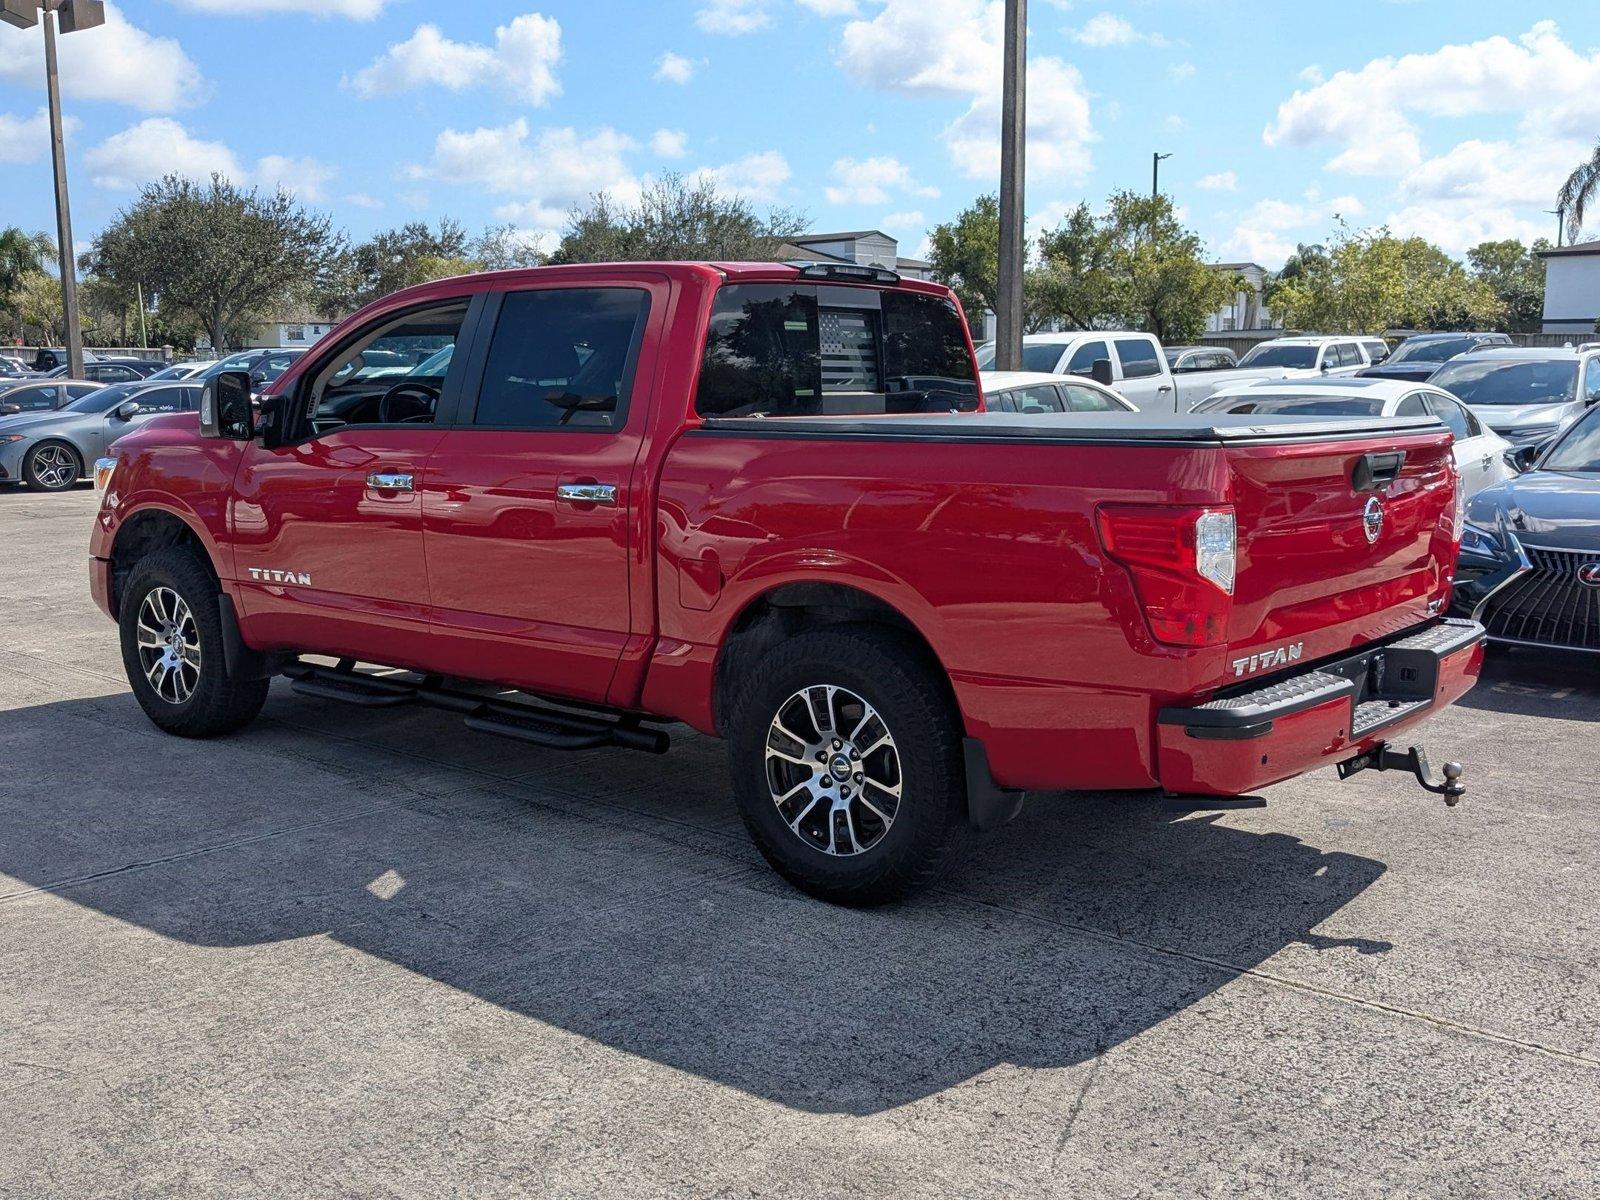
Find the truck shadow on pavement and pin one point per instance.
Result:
(642, 919)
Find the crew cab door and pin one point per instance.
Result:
(1143, 376)
(327, 527)
(529, 495)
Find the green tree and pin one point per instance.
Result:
(1077, 277)
(504, 248)
(676, 219)
(21, 255)
(389, 261)
(1515, 274)
(1579, 191)
(215, 253)
(37, 304)
(1162, 282)
(965, 254)
(1370, 280)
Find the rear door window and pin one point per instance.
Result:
(1139, 358)
(1453, 416)
(1087, 399)
(1083, 358)
(1038, 399)
(794, 350)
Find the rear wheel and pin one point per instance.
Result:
(846, 758)
(172, 649)
(52, 467)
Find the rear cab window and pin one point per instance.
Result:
(806, 350)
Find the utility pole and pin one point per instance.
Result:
(1560, 214)
(1155, 173)
(1013, 146)
(72, 15)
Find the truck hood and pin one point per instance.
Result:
(1544, 508)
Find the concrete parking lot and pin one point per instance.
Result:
(347, 953)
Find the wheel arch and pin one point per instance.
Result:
(57, 439)
(788, 608)
(144, 532)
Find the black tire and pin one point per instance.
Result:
(213, 703)
(43, 476)
(889, 672)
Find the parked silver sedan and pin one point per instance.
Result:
(51, 451)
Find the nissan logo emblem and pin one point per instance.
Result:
(1589, 574)
(1372, 524)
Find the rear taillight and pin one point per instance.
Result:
(1182, 561)
(1459, 517)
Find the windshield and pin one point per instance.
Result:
(1433, 350)
(176, 371)
(101, 401)
(1502, 381)
(1037, 356)
(1579, 452)
(1305, 406)
(1280, 356)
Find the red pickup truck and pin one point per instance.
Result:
(575, 504)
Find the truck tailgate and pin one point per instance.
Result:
(1381, 507)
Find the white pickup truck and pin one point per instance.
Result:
(1131, 363)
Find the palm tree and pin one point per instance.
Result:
(21, 254)
(1578, 191)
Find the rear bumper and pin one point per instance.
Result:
(1244, 741)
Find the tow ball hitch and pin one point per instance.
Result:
(1415, 760)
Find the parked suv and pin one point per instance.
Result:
(1525, 394)
(1305, 357)
(1420, 355)
(753, 498)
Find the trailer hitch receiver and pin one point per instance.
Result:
(1385, 757)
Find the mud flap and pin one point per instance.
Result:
(989, 806)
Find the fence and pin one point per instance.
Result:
(153, 353)
(1239, 343)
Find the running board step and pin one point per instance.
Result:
(536, 731)
(359, 690)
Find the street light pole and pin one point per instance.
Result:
(58, 158)
(1155, 173)
(1560, 214)
(1013, 139)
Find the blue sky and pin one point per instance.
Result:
(1454, 120)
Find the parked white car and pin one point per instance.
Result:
(1313, 356)
(1038, 392)
(1135, 367)
(1481, 455)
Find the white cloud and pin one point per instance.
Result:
(1174, 123)
(873, 181)
(675, 68)
(1106, 29)
(831, 8)
(24, 139)
(669, 143)
(356, 10)
(1222, 181)
(755, 176)
(522, 62)
(547, 172)
(1367, 115)
(1268, 231)
(733, 17)
(362, 200)
(951, 48)
(160, 146)
(117, 62)
(1179, 72)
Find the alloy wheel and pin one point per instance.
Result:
(54, 466)
(169, 645)
(833, 770)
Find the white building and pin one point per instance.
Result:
(1571, 288)
(1249, 307)
(288, 331)
(864, 247)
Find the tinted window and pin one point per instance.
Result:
(1413, 405)
(1433, 350)
(101, 399)
(1042, 356)
(1083, 358)
(1037, 399)
(1088, 399)
(165, 400)
(1310, 406)
(562, 356)
(1490, 381)
(1268, 355)
(1591, 387)
(1139, 358)
(1452, 415)
(806, 350)
(34, 399)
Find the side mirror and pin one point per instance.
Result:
(126, 411)
(225, 407)
(1522, 458)
(1100, 371)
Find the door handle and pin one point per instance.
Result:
(388, 481)
(587, 493)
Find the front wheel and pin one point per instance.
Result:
(172, 649)
(846, 759)
(52, 467)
